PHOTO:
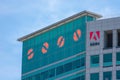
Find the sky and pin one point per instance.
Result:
(21, 17)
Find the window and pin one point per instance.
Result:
(107, 75)
(94, 60)
(118, 37)
(79, 78)
(94, 76)
(68, 66)
(51, 73)
(44, 75)
(79, 63)
(118, 58)
(82, 62)
(118, 75)
(37, 77)
(59, 70)
(107, 60)
(76, 64)
(108, 39)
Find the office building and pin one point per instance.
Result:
(80, 47)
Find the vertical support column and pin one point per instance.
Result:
(114, 54)
(87, 66)
(114, 38)
(101, 66)
(87, 76)
(101, 55)
(101, 75)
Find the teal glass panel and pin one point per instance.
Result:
(118, 75)
(107, 75)
(94, 60)
(44, 75)
(37, 77)
(68, 67)
(94, 76)
(79, 78)
(117, 62)
(107, 60)
(107, 64)
(118, 58)
(59, 70)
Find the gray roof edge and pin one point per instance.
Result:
(58, 23)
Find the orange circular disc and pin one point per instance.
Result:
(30, 54)
(77, 35)
(45, 47)
(60, 41)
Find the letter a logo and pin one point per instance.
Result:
(95, 36)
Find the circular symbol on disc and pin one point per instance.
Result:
(45, 47)
(30, 54)
(60, 41)
(77, 35)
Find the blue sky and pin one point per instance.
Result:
(21, 17)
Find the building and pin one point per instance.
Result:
(80, 47)
(103, 49)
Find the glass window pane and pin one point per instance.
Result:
(68, 67)
(94, 76)
(44, 75)
(59, 70)
(51, 72)
(37, 77)
(94, 60)
(107, 60)
(107, 75)
(76, 64)
(82, 62)
(79, 78)
(118, 75)
(118, 58)
(107, 57)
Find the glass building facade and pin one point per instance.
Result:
(61, 51)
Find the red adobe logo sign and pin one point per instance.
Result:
(94, 38)
(95, 35)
